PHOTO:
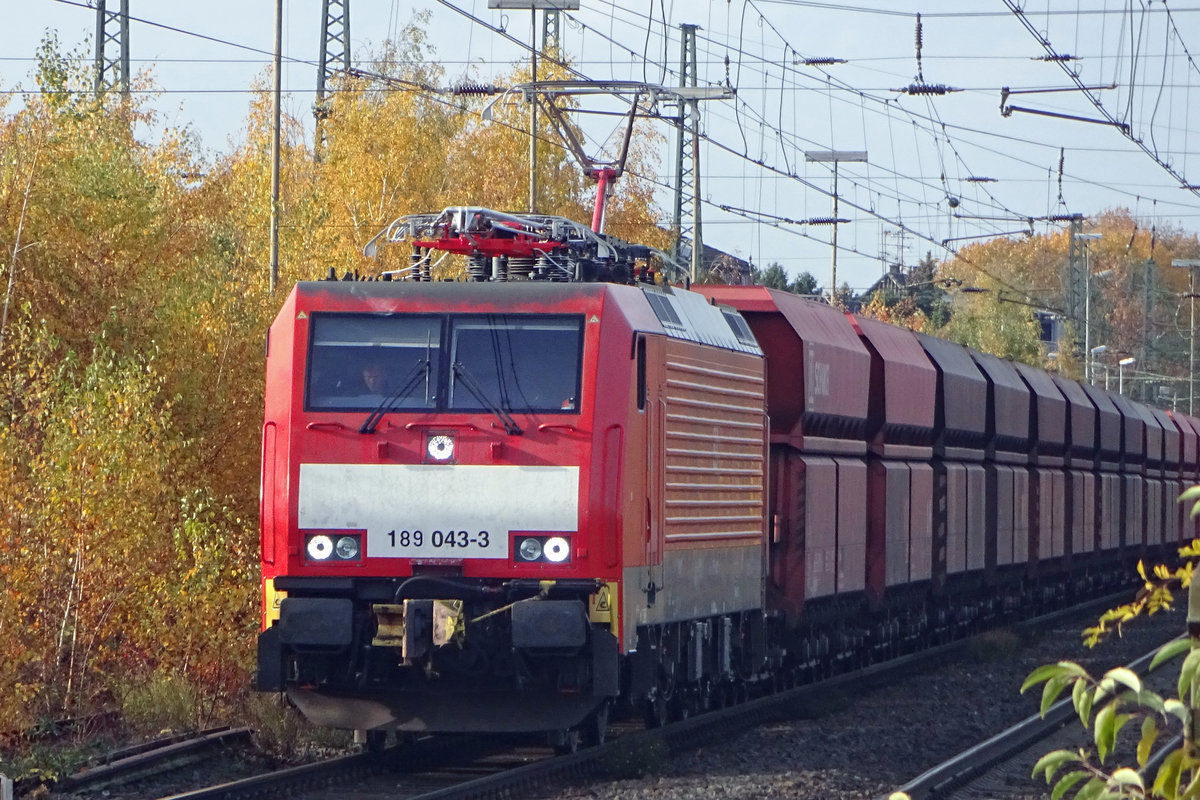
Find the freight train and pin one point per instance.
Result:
(567, 484)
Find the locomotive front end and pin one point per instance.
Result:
(432, 554)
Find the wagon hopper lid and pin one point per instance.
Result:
(822, 406)
(961, 417)
(1109, 424)
(1172, 439)
(1009, 404)
(1047, 414)
(903, 390)
(1081, 419)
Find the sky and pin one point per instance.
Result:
(942, 170)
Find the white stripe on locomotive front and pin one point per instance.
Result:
(386, 499)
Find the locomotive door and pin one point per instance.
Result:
(650, 369)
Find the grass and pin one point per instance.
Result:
(162, 705)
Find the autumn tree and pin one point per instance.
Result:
(115, 405)
(136, 306)
(1136, 307)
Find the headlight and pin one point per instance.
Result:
(333, 547)
(440, 447)
(347, 548)
(557, 549)
(530, 549)
(543, 550)
(320, 547)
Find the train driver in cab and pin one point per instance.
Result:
(375, 379)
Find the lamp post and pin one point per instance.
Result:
(1087, 238)
(834, 157)
(1121, 365)
(1098, 350)
(1190, 265)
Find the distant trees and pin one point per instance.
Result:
(1136, 298)
(776, 277)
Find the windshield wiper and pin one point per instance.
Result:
(510, 425)
(421, 370)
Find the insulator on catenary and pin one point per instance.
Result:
(928, 88)
(468, 88)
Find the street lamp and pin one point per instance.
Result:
(1098, 350)
(1121, 365)
(834, 157)
(1087, 238)
(1190, 265)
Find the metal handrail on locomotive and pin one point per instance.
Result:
(515, 501)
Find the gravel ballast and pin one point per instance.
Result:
(866, 747)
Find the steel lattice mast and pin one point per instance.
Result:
(112, 48)
(686, 219)
(334, 58)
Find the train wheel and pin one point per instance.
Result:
(596, 726)
(656, 711)
(704, 699)
(684, 705)
(566, 742)
(375, 741)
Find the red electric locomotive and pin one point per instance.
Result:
(477, 496)
(502, 503)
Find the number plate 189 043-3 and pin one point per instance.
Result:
(438, 543)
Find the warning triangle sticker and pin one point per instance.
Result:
(603, 603)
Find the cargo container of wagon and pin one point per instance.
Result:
(960, 437)
(899, 476)
(1172, 458)
(1006, 473)
(1156, 484)
(1048, 432)
(1130, 504)
(1183, 475)
(1079, 497)
(1154, 494)
(818, 381)
(1189, 426)
(1109, 430)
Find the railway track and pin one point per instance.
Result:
(136, 762)
(1000, 767)
(467, 767)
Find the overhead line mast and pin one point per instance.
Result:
(112, 34)
(335, 57)
(686, 220)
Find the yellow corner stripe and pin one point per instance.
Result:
(271, 601)
(602, 606)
